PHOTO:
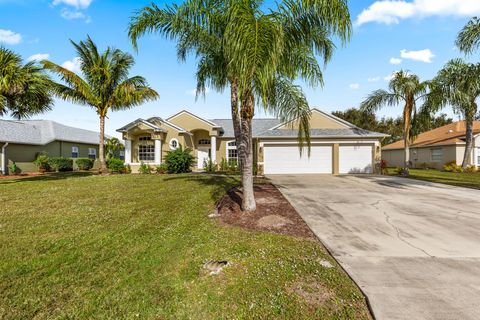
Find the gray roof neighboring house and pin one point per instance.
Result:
(258, 126)
(41, 132)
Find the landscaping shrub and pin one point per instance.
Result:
(471, 169)
(229, 166)
(42, 162)
(161, 169)
(115, 165)
(209, 166)
(452, 166)
(128, 169)
(180, 160)
(84, 163)
(14, 169)
(61, 164)
(145, 168)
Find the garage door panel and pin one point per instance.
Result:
(355, 159)
(287, 160)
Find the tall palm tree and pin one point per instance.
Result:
(468, 40)
(105, 84)
(404, 88)
(258, 65)
(458, 85)
(24, 88)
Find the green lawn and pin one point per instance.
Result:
(468, 180)
(131, 247)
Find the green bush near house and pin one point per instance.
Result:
(180, 160)
(144, 169)
(61, 164)
(42, 162)
(229, 166)
(209, 166)
(452, 166)
(115, 165)
(161, 169)
(84, 164)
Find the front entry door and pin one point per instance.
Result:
(202, 156)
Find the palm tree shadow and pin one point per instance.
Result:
(47, 177)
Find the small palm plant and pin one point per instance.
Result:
(404, 88)
(105, 84)
(24, 88)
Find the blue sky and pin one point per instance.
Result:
(417, 35)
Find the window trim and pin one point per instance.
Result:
(171, 142)
(440, 155)
(231, 147)
(75, 150)
(149, 155)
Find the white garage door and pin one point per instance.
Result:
(287, 160)
(355, 159)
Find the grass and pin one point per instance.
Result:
(467, 180)
(131, 247)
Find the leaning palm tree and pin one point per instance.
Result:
(105, 84)
(287, 40)
(24, 88)
(404, 88)
(468, 40)
(457, 85)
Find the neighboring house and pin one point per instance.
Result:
(337, 147)
(21, 141)
(434, 148)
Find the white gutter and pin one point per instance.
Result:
(3, 158)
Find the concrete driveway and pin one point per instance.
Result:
(413, 247)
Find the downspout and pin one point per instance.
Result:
(4, 167)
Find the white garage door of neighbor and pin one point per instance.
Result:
(287, 160)
(355, 159)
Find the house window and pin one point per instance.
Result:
(478, 156)
(145, 138)
(232, 153)
(437, 154)
(203, 142)
(121, 154)
(74, 152)
(173, 144)
(146, 152)
(92, 153)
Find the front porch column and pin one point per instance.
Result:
(128, 151)
(158, 151)
(213, 146)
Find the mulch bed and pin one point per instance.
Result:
(23, 175)
(274, 213)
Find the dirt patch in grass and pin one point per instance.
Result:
(311, 291)
(274, 213)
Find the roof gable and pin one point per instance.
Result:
(189, 121)
(318, 120)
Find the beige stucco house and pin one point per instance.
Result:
(436, 147)
(338, 147)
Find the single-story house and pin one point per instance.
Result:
(434, 148)
(21, 142)
(337, 147)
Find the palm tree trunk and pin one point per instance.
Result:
(101, 147)
(406, 137)
(468, 142)
(237, 130)
(246, 152)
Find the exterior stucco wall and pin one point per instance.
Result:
(24, 155)
(422, 157)
(190, 123)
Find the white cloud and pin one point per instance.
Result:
(420, 55)
(193, 92)
(10, 37)
(354, 86)
(73, 15)
(393, 11)
(373, 79)
(390, 76)
(73, 65)
(39, 57)
(395, 60)
(79, 4)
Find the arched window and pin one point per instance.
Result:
(173, 144)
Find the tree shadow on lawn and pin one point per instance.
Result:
(221, 183)
(47, 177)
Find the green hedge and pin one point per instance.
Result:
(115, 165)
(61, 164)
(85, 163)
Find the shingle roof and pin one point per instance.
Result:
(258, 126)
(450, 134)
(41, 132)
